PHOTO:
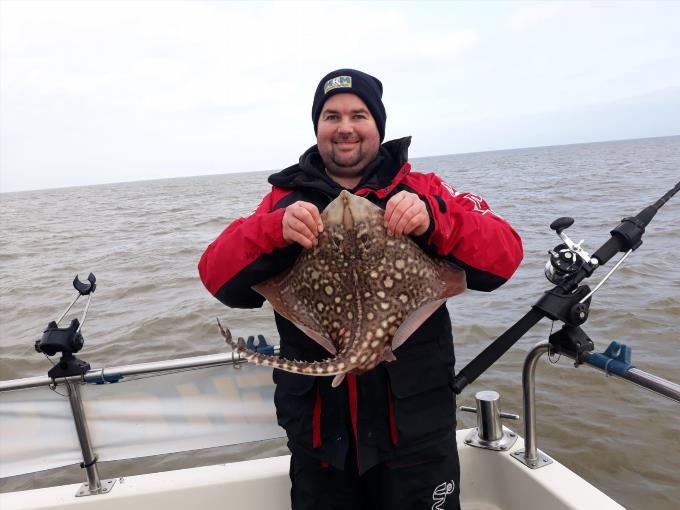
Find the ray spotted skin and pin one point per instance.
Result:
(359, 293)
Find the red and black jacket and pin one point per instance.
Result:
(398, 407)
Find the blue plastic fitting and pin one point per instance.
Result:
(615, 359)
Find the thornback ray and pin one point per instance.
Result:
(359, 293)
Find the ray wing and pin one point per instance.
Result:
(277, 291)
(317, 295)
(405, 286)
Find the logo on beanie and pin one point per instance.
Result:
(338, 82)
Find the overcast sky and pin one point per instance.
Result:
(96, 91)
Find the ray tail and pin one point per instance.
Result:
(332, 366)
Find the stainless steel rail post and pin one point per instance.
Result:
(530, 455)
(94, 484)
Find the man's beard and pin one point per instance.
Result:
(343, 167)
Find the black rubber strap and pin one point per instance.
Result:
(94, 461)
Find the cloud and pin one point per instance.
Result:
(108, 90)
(181, 56)
(440, 48)
(532, 15)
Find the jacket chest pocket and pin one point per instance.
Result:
(424, 403)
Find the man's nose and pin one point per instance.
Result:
(345, 126)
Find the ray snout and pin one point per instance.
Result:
(347, 210)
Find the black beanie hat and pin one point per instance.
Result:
(351, 81)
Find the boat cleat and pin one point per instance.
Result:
(490, 433)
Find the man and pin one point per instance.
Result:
(386, 438)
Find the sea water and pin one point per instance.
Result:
(143, 241)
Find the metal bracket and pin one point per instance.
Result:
(506, 441)
(541, 459)
(106, 486)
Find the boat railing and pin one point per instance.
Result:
(115, 374)
(94, 484)
(614, 361)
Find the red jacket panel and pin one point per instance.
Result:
(242, 242)
(466, 228)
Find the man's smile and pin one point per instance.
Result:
(346, 143)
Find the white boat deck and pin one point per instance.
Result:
(489, 481)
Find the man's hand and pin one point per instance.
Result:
(406, 214)
(302, 224)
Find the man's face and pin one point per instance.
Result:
(347, 136)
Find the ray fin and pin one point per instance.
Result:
(414, 321)
(452, 280)
(337, 380)
(388, 355)
(321, 340)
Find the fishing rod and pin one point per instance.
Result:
(568, 301)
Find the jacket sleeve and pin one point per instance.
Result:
(466, 231)
(249, 251)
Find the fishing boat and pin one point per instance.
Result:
(499, 469)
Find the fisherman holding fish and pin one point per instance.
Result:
(384, 438)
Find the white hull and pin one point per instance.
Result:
(490, 480)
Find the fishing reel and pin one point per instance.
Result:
(567, 257)
(68, 340)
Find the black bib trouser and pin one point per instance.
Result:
(426, 481)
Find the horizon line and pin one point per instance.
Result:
(272, 170)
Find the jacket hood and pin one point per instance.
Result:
(310, 172)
